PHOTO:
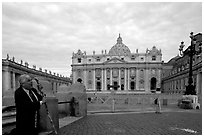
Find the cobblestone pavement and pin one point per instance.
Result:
(183, 122)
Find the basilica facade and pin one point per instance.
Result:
(119, 69)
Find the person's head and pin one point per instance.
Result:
(25, 81)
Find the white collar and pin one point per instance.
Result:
(27, 91)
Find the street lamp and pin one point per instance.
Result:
(191, 51)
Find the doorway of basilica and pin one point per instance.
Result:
(115, 85)
(98, 86)
(132, 85)
(153, 83)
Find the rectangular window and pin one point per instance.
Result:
(153, 58)
(79, 60)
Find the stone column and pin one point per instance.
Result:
(105, 80)
(74, 76)
(102, 79)
(111, 76)
(137, 79)
(128, 79)
(125, 86)
(54, 87)
(14, 81)
(94, 79)
(147, 80)
(119, 77)
(199, 84)
(158, 72)
(17, 82)
(6, 81)
(85, 78)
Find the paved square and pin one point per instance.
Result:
(183, 122)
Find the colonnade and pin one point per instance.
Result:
(11, 72)
(126, 80)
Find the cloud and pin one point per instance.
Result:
(47, 34)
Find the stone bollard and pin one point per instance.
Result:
(78, 91)
(63, 96)
(80, 104)
(49, 118)
(76, 94)
(165, 102)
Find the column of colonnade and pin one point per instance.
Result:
(119, 77)
(13, 81)
(6, 82)
(102, 79)
(94, 79)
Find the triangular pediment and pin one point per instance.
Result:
(114, 60)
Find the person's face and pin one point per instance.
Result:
(28, 83)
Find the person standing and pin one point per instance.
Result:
(158, 105)
(28, 102)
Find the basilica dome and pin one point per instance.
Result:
(119, 48)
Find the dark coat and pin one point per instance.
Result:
(25, 111)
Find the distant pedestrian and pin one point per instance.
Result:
(72, 107)
(28, 102)
(89, 100)
(157, 105)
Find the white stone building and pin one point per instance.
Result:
(125, 71)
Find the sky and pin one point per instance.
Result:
(46, 34)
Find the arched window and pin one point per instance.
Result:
(153, 83)
(122, 87)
